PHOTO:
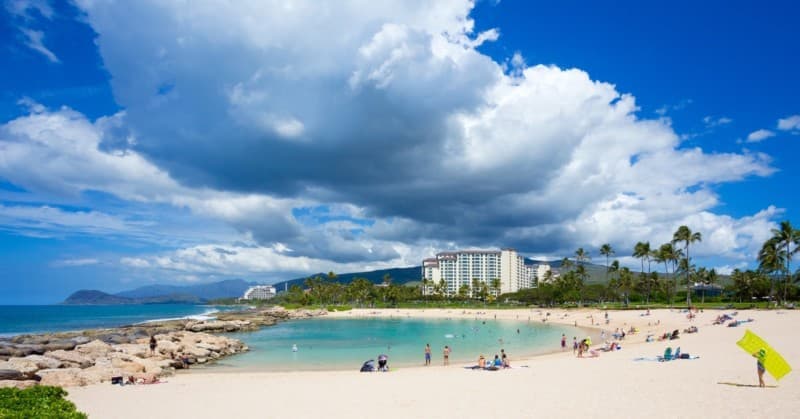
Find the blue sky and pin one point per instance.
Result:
(149, 143)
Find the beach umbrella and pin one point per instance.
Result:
(773, 362)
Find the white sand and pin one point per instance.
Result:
(555, 385)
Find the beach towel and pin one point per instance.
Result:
(773, 362)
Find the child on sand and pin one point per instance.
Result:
(760, 356)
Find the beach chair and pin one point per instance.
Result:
(667, 354)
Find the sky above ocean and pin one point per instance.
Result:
(176, 142)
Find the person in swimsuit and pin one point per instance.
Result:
(153, 345)
(760, 357)
(563, 342)
(427, 354)
(446, 355)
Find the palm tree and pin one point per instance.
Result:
(494, 284)
(476, 286)
(684, 234)
(626, 282)
(581, 256)
(788, 239)
(771, 260)
(643, 252)
(566, 264)
(606, 251)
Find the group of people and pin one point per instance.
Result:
(445, 354)
(499, 362)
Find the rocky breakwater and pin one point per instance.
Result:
(97, 361)
(93, 356)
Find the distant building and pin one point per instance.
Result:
(541, 273)
(459, 268)
(259, 292)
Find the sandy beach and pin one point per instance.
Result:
(720, 383)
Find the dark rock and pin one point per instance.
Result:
(12, 375)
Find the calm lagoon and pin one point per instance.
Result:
(347, 343)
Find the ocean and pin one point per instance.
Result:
(15, 320)
(346, 343)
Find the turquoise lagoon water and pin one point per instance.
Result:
(16, 320)
(347, 343)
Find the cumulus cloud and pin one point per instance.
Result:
(412, 138)
(759, 135)
(789, 123)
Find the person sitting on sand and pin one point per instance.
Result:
(481, 362)
(497, 362)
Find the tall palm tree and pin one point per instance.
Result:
(566, 264)
(643, 252)
(771, 260)
(684, 234)
(581, 256)
(606, 251)
(788, 239)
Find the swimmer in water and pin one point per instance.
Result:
(294, 347)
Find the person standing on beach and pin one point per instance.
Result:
(574, 345)
(446, 355)
(760, 356)
(427, 354)
(563, 342)
(153, 345)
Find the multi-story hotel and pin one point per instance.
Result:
(259, 292)
(461, 267)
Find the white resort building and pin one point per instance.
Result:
(259, 292)
(461, 267)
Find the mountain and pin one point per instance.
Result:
(399, 276)
(222, 289)
(94, 297)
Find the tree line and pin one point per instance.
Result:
(773, 280)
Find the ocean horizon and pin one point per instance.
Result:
(50, 318)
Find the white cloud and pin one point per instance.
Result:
(244, 114)
(77, 262)
(712, 122)
(789, 123)
(135, 262)
(35, 40)
(759, 135)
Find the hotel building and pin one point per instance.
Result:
(461, 267)
(259, 292)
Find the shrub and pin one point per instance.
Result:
(37, 402)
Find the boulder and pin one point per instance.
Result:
(44, 362)
(94, 349)
(9, 374)
(127, 366)
(22, 365)
(100, 373)
(134, 349)
(62, 377)
(167, 347)
(70, 358)
(22, 385)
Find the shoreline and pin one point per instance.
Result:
(552, 385)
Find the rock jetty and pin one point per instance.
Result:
(97, 355)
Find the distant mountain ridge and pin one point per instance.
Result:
(399, 276)
(95, 297)
(222, 289)
(232, 288)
